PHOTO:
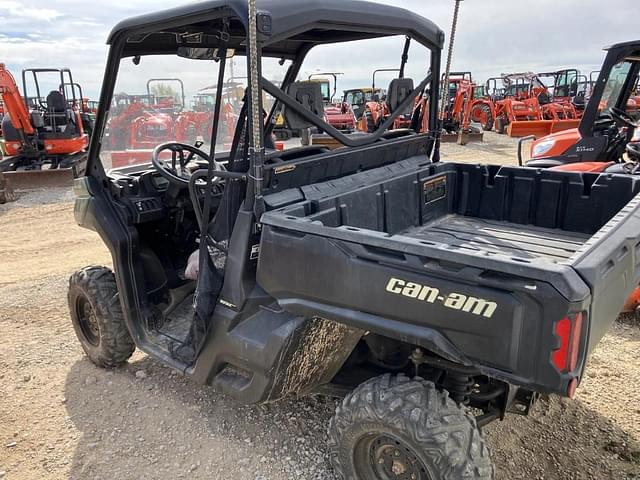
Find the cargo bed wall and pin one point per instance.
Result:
(572, 202)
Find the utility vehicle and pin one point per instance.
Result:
(435, 297)
(606, 126)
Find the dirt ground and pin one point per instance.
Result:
(63, 418)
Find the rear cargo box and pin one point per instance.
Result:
(522, 248)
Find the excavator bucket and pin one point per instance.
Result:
(462, 137)
(36, 179)
(6, 192)
(539, 128)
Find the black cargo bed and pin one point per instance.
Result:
(494, 237)
(475, 263)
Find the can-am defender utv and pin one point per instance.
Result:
(424, 292)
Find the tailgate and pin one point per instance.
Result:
(470, 311)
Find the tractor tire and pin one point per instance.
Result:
(371, 124)
(97, 317)
(487, 124)
(395, 427)
(501, 125)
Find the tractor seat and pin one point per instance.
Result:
(58, 116)
(579, 101)
(56, 102)
(544, 99)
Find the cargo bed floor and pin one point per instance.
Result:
(524, 242)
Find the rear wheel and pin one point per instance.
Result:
(397, 428)
(483, 115)
(97, 317)
(371, 124)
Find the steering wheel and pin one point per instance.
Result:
(620, 116)
(633, 150)
(178, 173)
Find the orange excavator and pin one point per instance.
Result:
(463, 108)
(45, 141)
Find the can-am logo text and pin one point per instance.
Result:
(455, 301)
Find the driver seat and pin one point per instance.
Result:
(57, 117)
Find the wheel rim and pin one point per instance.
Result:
(478, 115)
(385, 457)
(88, 321)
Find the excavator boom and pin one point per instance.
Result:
(13, 103)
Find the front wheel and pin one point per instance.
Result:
(394, 427)
(501, 125)
(97, 317)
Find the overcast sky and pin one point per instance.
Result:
(494, 36)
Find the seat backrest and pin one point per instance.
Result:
(399, 90)
(309, 95)
(56, 102)
(544, 98)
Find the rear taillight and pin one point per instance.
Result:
(568, 331)
(574, 347)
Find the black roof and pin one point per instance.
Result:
(295, 24)
(630, 43)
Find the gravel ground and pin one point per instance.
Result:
(63, 418)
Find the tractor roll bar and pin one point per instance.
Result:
(373, 85)
(175, 80)
(34, 72)
(328, 74)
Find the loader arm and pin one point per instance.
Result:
(13, 102)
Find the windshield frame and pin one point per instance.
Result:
(122, 47)
(615, 55)
(613, 88)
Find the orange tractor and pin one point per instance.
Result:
(465, 94)
(339, 115)
(137, 120)
(45, 140)
(359, 97)
(380, 107)
(524, 106)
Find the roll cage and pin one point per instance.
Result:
(284, 30)
(67, 85)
